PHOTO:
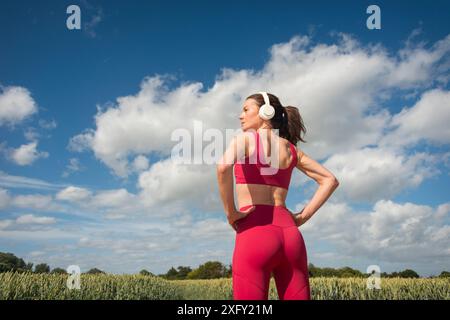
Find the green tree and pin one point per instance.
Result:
(209, 270)
(349, 272)
(183, 272)
(9, 262)
(408, 273)
(59, 271)
(146, 273)
(95, 271)
(312, 270)
(444, 274)
(42, 268)
(172, 274)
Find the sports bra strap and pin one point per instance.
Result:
(258, 150)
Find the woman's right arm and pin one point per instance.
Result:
(235, 151)
(325, 179)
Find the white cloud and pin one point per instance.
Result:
(140, 163)
(418, 64)
(73, 194)
(37, 253)
(393, 232)
(4, 224)
(73, 166)
(112, 198)
(47, 124)
(35, 233)
(169, 182)
(209, 229)
(16, 104)
(26, 154)
(32, 219)
(110, 204)
(81, 142)
(428, 119)
(10, 181)
(33, 201)
(25, 223)
(370, 174)
(5, 198)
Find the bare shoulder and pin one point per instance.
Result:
(300, 154)
(304, 162)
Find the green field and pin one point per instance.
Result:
(103, 286)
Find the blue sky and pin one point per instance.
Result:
(74, 196)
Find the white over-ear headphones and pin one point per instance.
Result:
(266, 111)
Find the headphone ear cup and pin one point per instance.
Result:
(261, 112)
(266, 112)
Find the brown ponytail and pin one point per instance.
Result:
(294, 125)
(286, 119)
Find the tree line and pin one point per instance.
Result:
(208, 270)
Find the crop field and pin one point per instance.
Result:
(136, 287)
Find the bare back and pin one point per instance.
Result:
(265, 194)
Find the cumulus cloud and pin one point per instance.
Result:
(112, 198)
(349, 127)
(427, 120)
(16, 104)
(81, 142)
(393, 232)
(357, 79)
(113, 204)
(73, 194)
(169, 182)
(26, 154)
(370, 174)
(140, 163)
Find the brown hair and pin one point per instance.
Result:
(286, 119)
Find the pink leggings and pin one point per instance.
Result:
(268, 241)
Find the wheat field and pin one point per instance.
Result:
(22, 286)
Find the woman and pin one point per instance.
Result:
(268, 240)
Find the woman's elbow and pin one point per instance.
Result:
(223, 168)
(329, 181)
(334, 181)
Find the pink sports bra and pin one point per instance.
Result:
(257, 172)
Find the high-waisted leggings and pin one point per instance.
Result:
(268, 242)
